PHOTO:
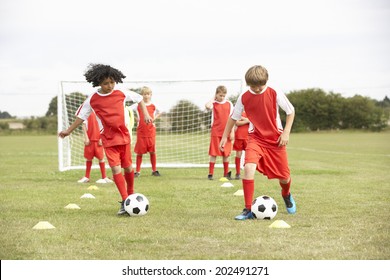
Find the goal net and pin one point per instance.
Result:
(183, 129)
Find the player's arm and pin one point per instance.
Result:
(86, 138)
(242, 121)
(227, 132)
(285, 136)
(72, 127)
(147, 117)
(285, 104)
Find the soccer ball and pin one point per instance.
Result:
(264, 208)
(136, 204)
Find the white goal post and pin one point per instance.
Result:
(183, 130)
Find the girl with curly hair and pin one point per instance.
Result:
(108, 104)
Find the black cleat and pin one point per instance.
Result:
(228, 175)
(122, 210)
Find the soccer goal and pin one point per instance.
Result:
(183, 129)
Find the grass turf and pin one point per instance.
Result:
(340, 182)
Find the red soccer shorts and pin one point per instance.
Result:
(240, 144)
(272, 162)
(93, 150)
(119, 155)
(214, 150)
(145, 145)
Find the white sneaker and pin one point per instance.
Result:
(83, 180)
(104, 181)
(108, 180)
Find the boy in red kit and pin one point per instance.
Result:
(267, 140)
(240, 142)
(146, 133)
(109, 107)
(93, 147)
(221, 110)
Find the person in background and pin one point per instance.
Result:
(221, 109)
(93, 147)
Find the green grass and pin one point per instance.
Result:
(340, 183)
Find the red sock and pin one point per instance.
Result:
(121, 185)
(237, 161)
(249, 188)
(88, 166)
(102, 166)
(211, 167)
(138, 163)
(285, 188)
(129, 177)
(225, 168)
(153, 161)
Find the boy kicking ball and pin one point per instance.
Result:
(267, 139)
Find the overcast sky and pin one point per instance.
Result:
(337, 45)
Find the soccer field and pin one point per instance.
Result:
(340, 181)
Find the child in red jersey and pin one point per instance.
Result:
(109, 107)
(146, 133)
(93, 147)
(221, 110)
(240, 142)
(267, 140)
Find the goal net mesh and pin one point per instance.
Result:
(183, 129)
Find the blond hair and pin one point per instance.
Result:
(256, 76)
(145, 90)
(221, 89)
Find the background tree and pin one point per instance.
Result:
(185, 116)
(52, 111)
(5, 115)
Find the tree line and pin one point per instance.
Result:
(315, 110)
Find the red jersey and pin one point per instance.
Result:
(263, 113)
(92, 126)
(110, 112)
(144, 129)
(220, 115)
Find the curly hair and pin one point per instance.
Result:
(97, 73)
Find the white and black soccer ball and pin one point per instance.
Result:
(136, 204)
(264, 208)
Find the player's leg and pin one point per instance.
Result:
(248, 186)
(113, 157)
(88, 155)
(140, 149)
(153, 156)
(129, 177)
(287, 197)
(211, 167)
(138, 163)
(99, 154)
(226, 172)
(88, 166)
(237, 162)
(129, 171)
